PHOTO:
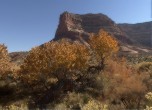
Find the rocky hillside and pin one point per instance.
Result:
(72, 25)
(134, 38)
(18, 57)
(139, 34)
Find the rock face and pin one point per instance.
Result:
(133, 38)
(72, 25)
(140, 33)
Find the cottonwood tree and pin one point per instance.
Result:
(5, 66)
(56, 59)
(103, 46)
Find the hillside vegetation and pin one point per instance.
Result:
(69, 75)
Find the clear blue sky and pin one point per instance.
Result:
(28, 23)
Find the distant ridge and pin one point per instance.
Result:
(140, 33)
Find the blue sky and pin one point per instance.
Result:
(28, 23)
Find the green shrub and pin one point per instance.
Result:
(94, 105)
(76, 100)
(148, 96)
(145, 67)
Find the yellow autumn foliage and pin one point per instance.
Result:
(103, 44)
(4, 60)
(55, 59)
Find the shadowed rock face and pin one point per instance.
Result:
(72, 25)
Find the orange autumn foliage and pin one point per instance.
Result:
(103, 44)
(5, 66)
(55, 59)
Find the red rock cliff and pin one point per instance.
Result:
(72, 25)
